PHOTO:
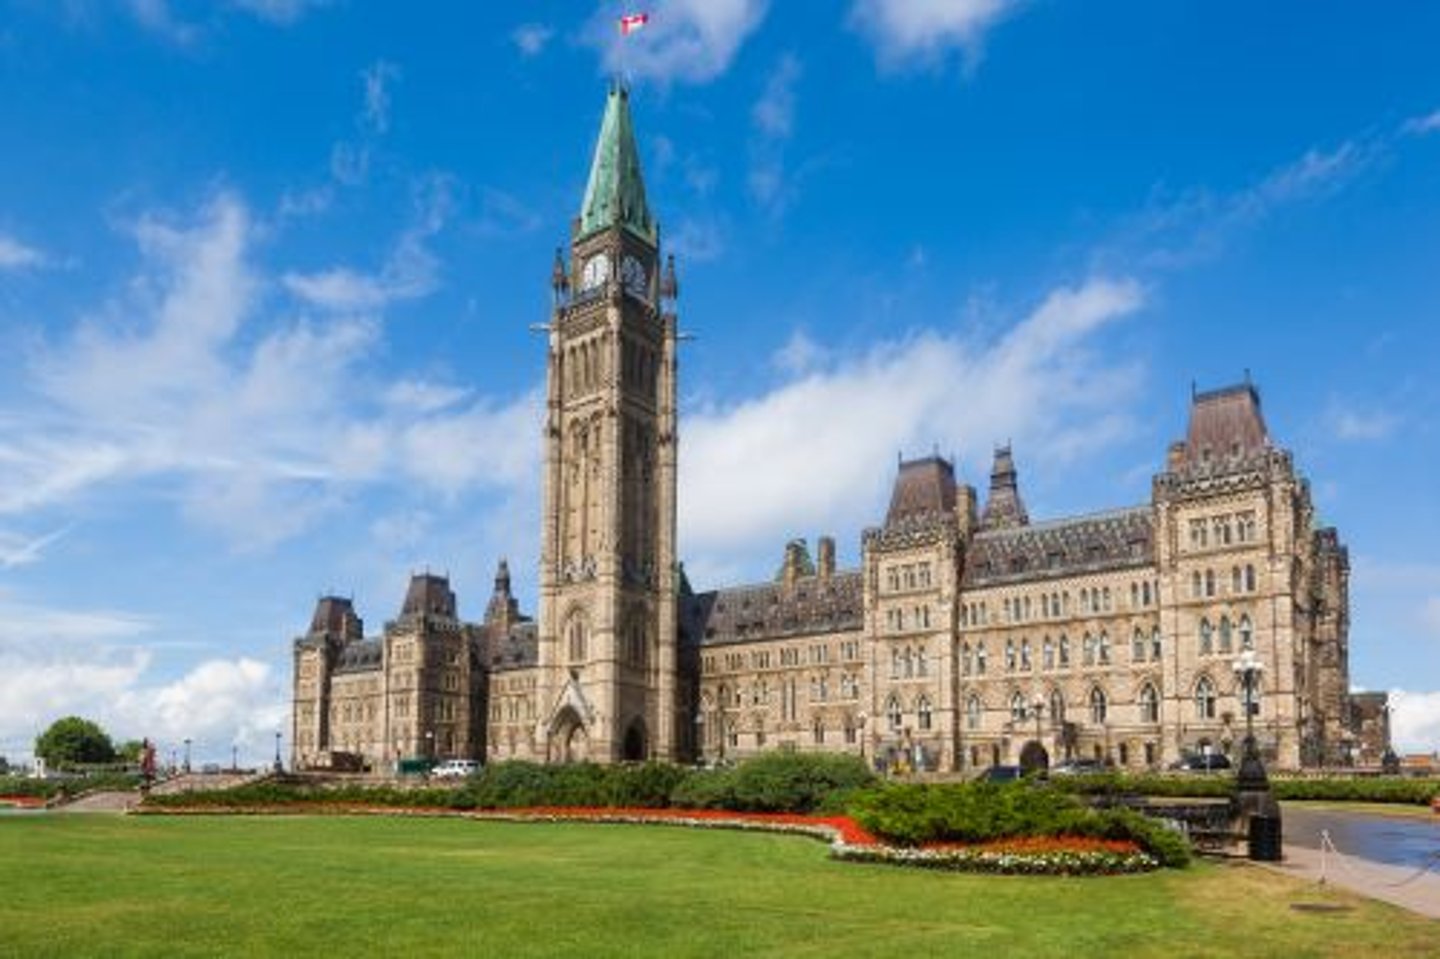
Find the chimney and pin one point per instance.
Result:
(825, 550)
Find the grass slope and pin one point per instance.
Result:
(90, 885)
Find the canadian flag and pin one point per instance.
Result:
(632, 22)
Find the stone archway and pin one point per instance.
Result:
(569, 734)
(1034, 758)
(632, 748)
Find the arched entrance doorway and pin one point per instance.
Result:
(570, 737)
(633, 747)
(1034, 758)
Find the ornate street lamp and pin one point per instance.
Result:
(1248, 669)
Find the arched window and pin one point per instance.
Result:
(1249, 579)
(1149, 704)
(1025, 654)
(1106, 594)
(1209, 582)
(909, 659)
(1145, 592)
(1137, 646)
(922, 713)
(922, 668)
(1010, 655)
(972, 712)
(1247, 633)
(1195, 588)
(980, 659)
(575, 638)
(892, 714)
(1048, 654)
(1087, 646)
(1064, 651)
(1207, 635)
(1224, 634)
(1057, 707)
(1204, 698)
(817, 731)
(1156, 645)
(965, 659)
(1235, 582)
(1097, 705)
(1134, 595)
(1104, 648)
(894, 664)
(1017, 706)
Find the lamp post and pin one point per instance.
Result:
(699, 736)
(430, 745)
(187, 754)
(1248, 669)
(234, 758)
(278, 766)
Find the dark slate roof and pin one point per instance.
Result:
(429, 595)
(1117, 539)
(361, 656)
(922, 487)
(1225, 424)
(762, 611)
(519, 649)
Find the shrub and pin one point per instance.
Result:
(795, 782)
(912, 815)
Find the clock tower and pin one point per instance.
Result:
(608, 686)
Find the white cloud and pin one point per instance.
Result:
(814, 453)
(281, 12)
(531, 38)
(1422, 125)
(773, 117)
(911, 32)
(1415, 723)
(156, 16)
(1362, 425)
(687, 40)
(22, 550)
(378, 77)
(800, 354)
(698, 239)
(15, 255)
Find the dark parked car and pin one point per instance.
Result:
(1202, 763)
(1000, 774)
(1078, 767)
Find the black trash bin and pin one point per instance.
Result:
(1265, 838)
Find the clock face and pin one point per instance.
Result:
(632, 273)
(595, 272)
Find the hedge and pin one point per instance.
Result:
(1381, 789)
(916, 814)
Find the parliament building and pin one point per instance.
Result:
(967, 633)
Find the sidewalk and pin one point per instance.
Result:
(1402, 886)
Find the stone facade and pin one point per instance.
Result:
(967, 633)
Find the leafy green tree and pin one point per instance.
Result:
(129, 751)
(74, 740)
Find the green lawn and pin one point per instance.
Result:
(109, 885)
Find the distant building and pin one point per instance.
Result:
(967, 633)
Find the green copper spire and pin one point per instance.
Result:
(616, 191)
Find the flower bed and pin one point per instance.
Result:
(23, 802)
(1046, 855)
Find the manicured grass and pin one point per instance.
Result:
(110, 885)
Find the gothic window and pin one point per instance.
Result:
(1224, 634)
(922, 713)
(1025, 655)
(1247, 633)
(894, 664)
(1104, 648)
(1017, 706)
(1249, 578)
(1145, 592)
(1204, 699)
(1235, 583)
(1106, 605)
(1009, 655)
(1195, 587)
(922, 668)
(1097, 705)
(965, 659)
(1149, 704)
(892, 714)
(1064, 651)
(980, 659)
(1206, 637)
(1087, 646)
(1047, 654)
(575, 636)
(850, 736)
(818, 731)
(1156, 646)
(1209, 582)
(909, 660)
(1134, 595)
(1057, 707)
(972, 712)
(1054, 604)
(1137, 646)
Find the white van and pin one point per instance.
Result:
(455, 769)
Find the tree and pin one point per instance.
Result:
(129, 751)
(74, 740)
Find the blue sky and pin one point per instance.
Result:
(267, 268)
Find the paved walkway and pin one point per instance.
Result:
(108, 801)
(1395, 860)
